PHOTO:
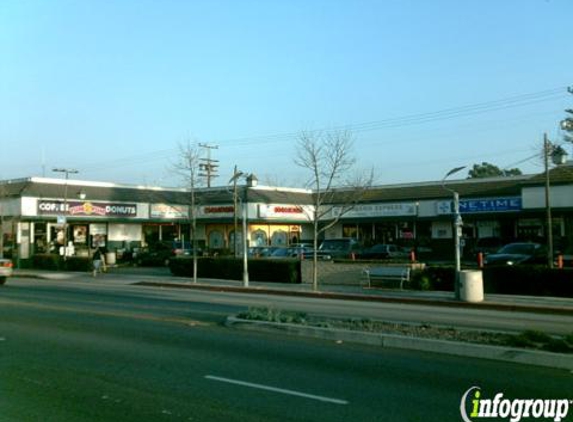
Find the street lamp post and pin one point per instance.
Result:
(558, 156)
(237, 175)
(67, 172)
(458, 223)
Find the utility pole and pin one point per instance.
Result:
(547, 149)
(208, 167)
(235, 214)
(67, 172)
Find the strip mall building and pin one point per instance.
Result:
(35, 211)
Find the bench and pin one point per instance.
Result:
(400, 274)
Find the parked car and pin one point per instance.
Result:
(340, 248)
(384, 251)
(487, 245)
(262, 251)
(160, 253)
(299, 252)
(6, 269)
(518, 254)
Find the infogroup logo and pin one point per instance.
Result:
(474, 407)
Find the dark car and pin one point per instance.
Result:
(160, 253)
(383, 251)
(339, 248)
(261, 251)
(487, 245)
(299, 252)
(518, 254)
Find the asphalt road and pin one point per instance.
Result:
(88, 352)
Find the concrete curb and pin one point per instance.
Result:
(472, 350)
(47, 276)
(553, 310)
(496, 306)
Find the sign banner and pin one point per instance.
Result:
(216, 211)
(169, 211)
(81, 209)
(379, 210)
(290, 212)
(468, 206)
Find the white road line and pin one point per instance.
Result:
(276, 390)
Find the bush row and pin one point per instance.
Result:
(279, 271)
(57, 263)
(519, 280)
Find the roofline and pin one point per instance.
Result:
(86, 183)
(519, 178)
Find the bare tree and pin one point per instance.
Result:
(336, 186)
(188, 167)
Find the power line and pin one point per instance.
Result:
(401, 121)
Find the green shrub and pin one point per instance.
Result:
(46, 261)
(433, 278)
(529, 280)
(536, 336)
(558, 346)
(520, 341)
(76, 263)
(518, 280)
(420, 280)
(270, 314)
(279, 271)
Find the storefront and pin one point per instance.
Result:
(40, 215)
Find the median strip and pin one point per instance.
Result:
(276, 390)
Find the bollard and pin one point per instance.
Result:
(560, 261)
(480, 259)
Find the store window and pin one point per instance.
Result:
(350, 230)
(80, 234)
(40, 238)
(279, 238)
(259, 238)
(216, 240)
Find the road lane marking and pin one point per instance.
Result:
(276, 390)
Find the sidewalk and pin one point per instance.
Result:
(162, 278)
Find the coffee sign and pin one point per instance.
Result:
(82, 209)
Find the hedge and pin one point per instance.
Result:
(269, 270)
(519, 280)
(529, 280)
(57, 263)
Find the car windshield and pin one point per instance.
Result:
(280, 252)
(334, 245)
(379, 248)
(518, 248)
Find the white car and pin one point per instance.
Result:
(6, 269)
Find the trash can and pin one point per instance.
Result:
(110, 258)
(471, 286)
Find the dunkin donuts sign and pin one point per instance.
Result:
(75, 208)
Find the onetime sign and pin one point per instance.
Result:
(468, 206)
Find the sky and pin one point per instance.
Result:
(112, 88)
